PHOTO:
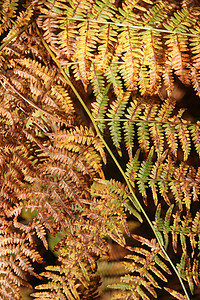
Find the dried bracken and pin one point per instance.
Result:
(119, 55)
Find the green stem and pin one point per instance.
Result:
(134, 199)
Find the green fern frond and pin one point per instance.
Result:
(154, 123)
(114, 78)
(143, 173)
(181, 227)
(101, 93)
(162, 177)
(114, 113)
(178, 227)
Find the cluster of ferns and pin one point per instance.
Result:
(133, 233)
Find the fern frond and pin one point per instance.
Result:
(75, 276)
(73, 140)
(163, 177)
(195, 42)
(23, 19)
(157, 136)
(79, 8)
(68, 288)
(100, 91)
(87, 236)
(66, 37)
(143, 173)
(189, 271)
(181, 227)
(104, 10)
(144, 263)
(36, 68)
(116, 194)
(168, 78)
(130, 45)
(151, 45)
(177, 44)
(47, 97)
(50, 22)
(86, 43)
(155, 124)
(194, 130)
(131, 8)
(114, 78)
(7, 12)
(178, 227)
(184, 138)
(107, 38)
(16, 257)
(116, 110)
(119, 51)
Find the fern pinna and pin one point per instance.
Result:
(125, 59)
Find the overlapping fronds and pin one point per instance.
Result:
(114, 198)
(142, 265)
(183, 231)
(195, 67)
(119, 55)
(147, 42)
(164, 177)
(85, 243)
(75, 138)
(74, 277)
(48, 162)
(151, 124)
(17, 254)
(178, 225)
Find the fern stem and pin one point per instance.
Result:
(131, 26)
(134, 199)
(135, 26)
(175, 122)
